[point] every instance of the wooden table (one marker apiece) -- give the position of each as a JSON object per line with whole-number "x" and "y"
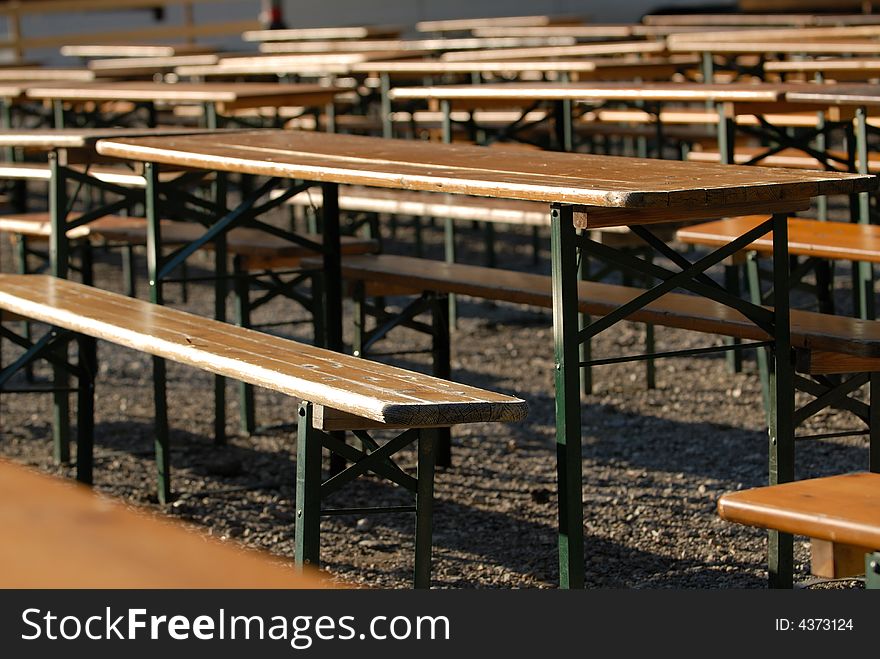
{"x": 216, "y": 98}
{"x": 135, "y": 50}
{"x": 424, "y": 47}
{"x": 470, "y": 24}
{"x": 345, "y": 33}
{"x": 840, "y": 69}
{"x": 613, "y": 48}
{"x": 591, "y": 31}
{"x": 582, "y": 192}
{"x": 59, "y": 534}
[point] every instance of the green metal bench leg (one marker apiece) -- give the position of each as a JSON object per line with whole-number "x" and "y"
{"x": 21, "y": 264}
{"x": 754, "y": 280}
{"x": 419, "y": 238}
{"x": 162, "y": 435}
{"x": 536, "y": 246}
{"x": 247, "y": 414}
{"x": 308, "y": 490}
{"x": 874, "y": 423}
{"x": 781, "y": 435}
{"x": 442, "y": 359}
{"x": 424, "y": 508}
{"x": 489, "y": 243}
{"x": 825, "y": 286}
{"x": 872, "y": 571}
{"x": 732, "y": 284}
{"x": 85, "y": 410}
{"x": 569, "y": 468}
{"x": 128, "y": 273}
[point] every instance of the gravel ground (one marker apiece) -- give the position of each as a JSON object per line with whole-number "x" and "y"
{"x": 655, "y": 461}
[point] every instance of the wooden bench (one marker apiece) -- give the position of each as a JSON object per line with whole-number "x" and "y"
{"x": 791, "y": 158}
{"x": 824, "y": 344}
{"x": 838, "y": 513}
{"x": 109, "y": 545}
{"x": 259, "y": 262}
{"x": 337, "y": 392}
{"x": 816, "y": 241}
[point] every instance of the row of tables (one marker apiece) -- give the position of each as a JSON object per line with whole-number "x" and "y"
{"x": 581, "y": 192}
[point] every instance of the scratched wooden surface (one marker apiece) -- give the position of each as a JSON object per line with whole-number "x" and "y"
{"x": 360, "y": 387}
{"x": 59, "y": 534}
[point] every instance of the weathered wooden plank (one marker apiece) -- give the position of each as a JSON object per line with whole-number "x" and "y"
{"x": 109, "y": 545}
{"x": 359, "y": 387}
{"x": 554, "y": 177}
{"x": 840, "y": 508}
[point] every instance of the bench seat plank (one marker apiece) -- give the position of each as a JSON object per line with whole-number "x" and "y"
{"x": 108, "y": 545}
{"x": 828, "y": 240}
{"x": 259, "y": 247}
{"x": 842, "y": 509}
{"x": 368, "y": 389}
{"x": 809, "y": 330}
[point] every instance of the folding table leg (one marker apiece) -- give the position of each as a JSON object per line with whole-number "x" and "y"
{"x": 247, "y": 415}
{"x": 781, "y": 435}
{"x": 569, "y": 469}
{"x": 424, "y": 508}
{"x": 59, "y": 257}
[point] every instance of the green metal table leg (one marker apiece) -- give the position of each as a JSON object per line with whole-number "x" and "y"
{"x": 754, "y": 280}
{"x": 781, "y": 462}
{"x": 864, "y": 270}
{"x": 424, "y": 508}
{"x": 220, "y": 294}
{"x": 726, "y": 144}
{"x": 563, "y": 256}
{"x": 448, "y": 224}
{"x": 160, "y": 395}
{"x": 585, "y": 349}
{"x": 59, "y": 260}
{"x": 441, "y": 360}
{"x": 247, "y": 415}
{"x": 308, "y": 490}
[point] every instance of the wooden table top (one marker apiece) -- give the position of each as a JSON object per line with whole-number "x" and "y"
{"x": 775, "y": 35}
{"x": 420, "y": 46}
{"x": 497, "y": 172}
{"x": 836, "y": 95}
{"x": 27, "y": 75}
{"x": 759, "y": 19}
{"x": 824, "y": 65}
{"x": 839, "y": 508}
{"x": 467, "y": 24}
{"x": 136, "y": 65}
{"x": 81, "y": 138}
{"x": 253, "y": 93}
{"x": 323, "y": 33}
{"x": 848, "y": 47}
{"x": 134, "y": 50}
{"x": 560, "y": 52}
{"x": 437, "y": 67}
{"x": 579, "y": 91}
{"x": 58, "y": 534}
{"x": 590, "y": 31}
